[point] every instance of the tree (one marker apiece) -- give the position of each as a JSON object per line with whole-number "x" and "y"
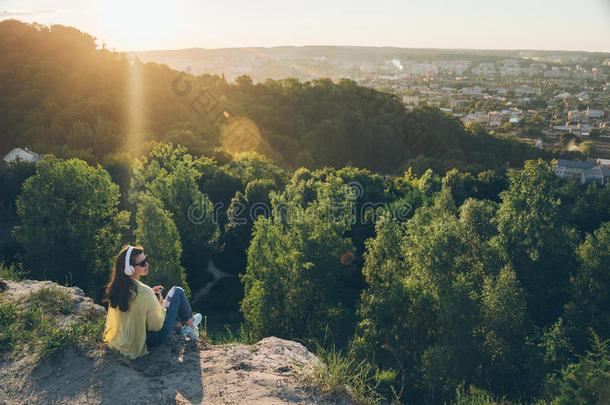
{"x": 586, "y": 381}
{"x": 171, "y": 175}
{"x": 297, "y": 283}
{"x": 159, "y": 236}
{"x": 429, "y": 183}
{"x": 587, "y": 148}
{"x": 475, "y": 128}
{"x": 71, "y": 227}
{"x": 242, "y": 213}
{"x": 534, "y": 237}
{"x": 588, "y": 290}
{"x": 503, "y": 331}
{"x": 461, "y": 185}
{"x": 594, "y": 133}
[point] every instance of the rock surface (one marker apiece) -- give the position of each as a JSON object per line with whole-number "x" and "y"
{"x": 181, "y": 371}
{"x": 18, "y": 292}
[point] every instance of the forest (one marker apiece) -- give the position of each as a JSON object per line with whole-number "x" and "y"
{"x": 443, "y": 264}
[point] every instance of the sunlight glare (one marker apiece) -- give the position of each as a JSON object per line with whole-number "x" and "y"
{"x": 137, "y": 23}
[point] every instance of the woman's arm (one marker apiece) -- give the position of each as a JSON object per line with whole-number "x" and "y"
{"x": 155, "y": 313}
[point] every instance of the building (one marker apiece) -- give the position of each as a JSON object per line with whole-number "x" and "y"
{"x": 577, "y": 116}
{"x": 584, "y": 172}
{"x": 571, "y": 169}
{"x": 494, "y": 119}
{"x": 594, "y": 114}
{"x": 21, "y": 155}
{"x": 604, "y": 162}
{"x": 479, "y": 117}
{"x": 597, "y": 174}
{"x": 563, "y": 95}
{"x": 411, "y": 100}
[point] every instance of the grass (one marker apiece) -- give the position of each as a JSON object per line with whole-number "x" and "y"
{"x": 32, "y": 326}
{"x": 342, "y": 373}
{"x": 53, "y": 300}
{"x": 226, "y": 335}
{"x": 12, "y": 272}
{"x": 84, "y": 333}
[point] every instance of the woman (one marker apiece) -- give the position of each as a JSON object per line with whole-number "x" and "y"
{"x": 138, "y": 316}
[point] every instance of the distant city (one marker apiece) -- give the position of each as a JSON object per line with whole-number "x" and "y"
{"x": 543, "y": 97}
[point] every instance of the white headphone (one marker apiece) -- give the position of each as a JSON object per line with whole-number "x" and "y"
{"x": 129, "y": 270}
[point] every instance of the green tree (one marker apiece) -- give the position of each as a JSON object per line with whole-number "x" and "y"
{"x": 429, "y": 183}
{"x": 159, "y": 236}
{"x": 461, "y": 185}
{"x": 588, "y": 291}
{"x": 534, "y": 237}
{"x": 171, "y": 175}
{"x": 587, "y": 148}
{"x": 242, "y": 213}
{"x": 71, "y": 226}
{"x": 296, "y": 284}
{"x": 475, "y": 128}
{"x": 503, "y": 331}
{"x": 594, "y": 133}
{"x": 586, "y": 381}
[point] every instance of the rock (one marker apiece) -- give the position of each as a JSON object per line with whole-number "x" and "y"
{"x": 181, "y": 371}
{"x": 17, "y": 292}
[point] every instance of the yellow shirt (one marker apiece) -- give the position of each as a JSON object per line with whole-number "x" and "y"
{"x": 126, "y": 331}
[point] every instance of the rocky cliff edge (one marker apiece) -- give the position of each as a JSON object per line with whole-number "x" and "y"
{"x": 179, "y": 372}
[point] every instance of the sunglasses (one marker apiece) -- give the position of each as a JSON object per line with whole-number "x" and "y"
{"x": 142, "y": 263}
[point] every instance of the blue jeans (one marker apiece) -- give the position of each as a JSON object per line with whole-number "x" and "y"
{"x": 176, "y": 305}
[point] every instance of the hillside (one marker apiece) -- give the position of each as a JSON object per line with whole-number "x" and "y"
{"x": 181, "y": 371}
{"x": 60, "y": 94}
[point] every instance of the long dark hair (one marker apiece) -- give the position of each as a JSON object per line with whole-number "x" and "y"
{"x": 122, "y": 288}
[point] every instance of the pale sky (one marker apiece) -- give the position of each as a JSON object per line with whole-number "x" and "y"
{"x": 473, "y": 24}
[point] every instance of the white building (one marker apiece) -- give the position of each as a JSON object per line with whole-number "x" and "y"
{"x": 603, "y": 162}
{"x": 23, "y": 155}
{"x": 411, "y": 100}
{"x": 595, "y": 114}
{"x": 494, "y": 119}
{"x": 479, "y": 117}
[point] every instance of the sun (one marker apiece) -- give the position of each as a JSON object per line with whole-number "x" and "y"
{"x": 136, "y": 24}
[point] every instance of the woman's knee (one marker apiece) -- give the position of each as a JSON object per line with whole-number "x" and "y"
{"x": 175, "y": 290}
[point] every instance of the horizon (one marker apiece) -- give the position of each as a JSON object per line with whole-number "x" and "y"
{"x": 138, "y": 26}
{"x": 362, "y": 46}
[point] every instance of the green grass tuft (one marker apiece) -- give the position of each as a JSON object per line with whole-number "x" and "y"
{"x": 344, "y": 374}
{"x": 83, "y": 333}
{"x": 53, "y": 300}
{"x": 12, "y": 272}
{"x": 34, "y": 326}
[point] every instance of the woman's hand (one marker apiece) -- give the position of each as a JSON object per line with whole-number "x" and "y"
{"x": 158, "y": 290}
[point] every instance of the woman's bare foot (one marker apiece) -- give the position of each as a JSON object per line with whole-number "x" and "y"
{"x": 190, "y": 323}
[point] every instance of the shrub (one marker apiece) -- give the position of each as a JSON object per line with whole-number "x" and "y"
{"x": 11, "y": 272}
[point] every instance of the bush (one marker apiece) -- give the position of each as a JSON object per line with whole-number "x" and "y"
{"x": 11, "y": 272}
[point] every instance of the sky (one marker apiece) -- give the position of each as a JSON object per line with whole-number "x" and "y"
{"x": 466, "y": 24}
